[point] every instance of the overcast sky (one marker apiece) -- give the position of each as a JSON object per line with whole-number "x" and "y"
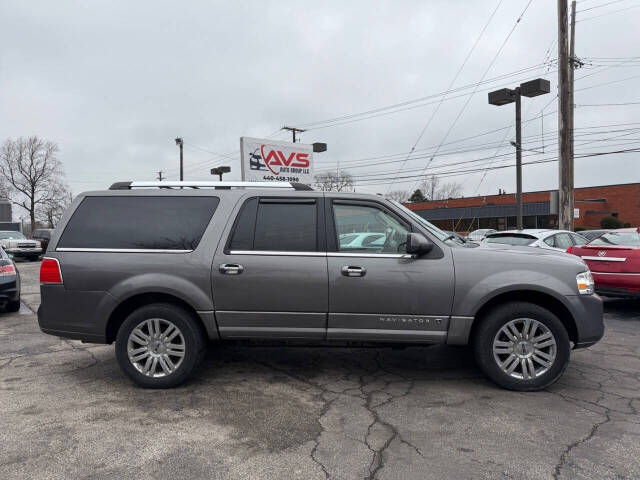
{"x": 114, "y": 82}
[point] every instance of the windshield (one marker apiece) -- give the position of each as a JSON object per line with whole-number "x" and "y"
{"x": 516, "y": 240}
{"x": 626, "y": 239}
{"x": 426, "y": 224}
{"x": 11, "y": 235}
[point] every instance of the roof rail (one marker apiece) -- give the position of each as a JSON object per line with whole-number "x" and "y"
{"x": 208, "y": 184}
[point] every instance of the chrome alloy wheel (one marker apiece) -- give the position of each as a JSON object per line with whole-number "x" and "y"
{"x": 156, "y": 347}
{"x": 524, "y": 348}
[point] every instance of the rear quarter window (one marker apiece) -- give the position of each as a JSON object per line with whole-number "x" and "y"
{"x": 128, "y": 222}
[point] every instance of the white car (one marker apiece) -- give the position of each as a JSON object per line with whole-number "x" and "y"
{"x": 359, "y": 240}
{"x": 558, "y": 240}
{"x": 478, "y": 235}
{"x": 19, "y": 246}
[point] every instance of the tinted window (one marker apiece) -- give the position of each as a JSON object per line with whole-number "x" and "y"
{"x": 391, "y": 235}
{"x": 168, "y": 223}
{"x": 286, "y": 226}
{"x": 242, "y": 238}
{"x": 516, "y": 240}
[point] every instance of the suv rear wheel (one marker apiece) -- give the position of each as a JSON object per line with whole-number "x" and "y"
{"x": 159, "y": 345}
{"x": 522, "y": 346}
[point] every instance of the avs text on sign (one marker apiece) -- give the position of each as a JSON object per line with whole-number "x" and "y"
{"x": 267, "y": 160}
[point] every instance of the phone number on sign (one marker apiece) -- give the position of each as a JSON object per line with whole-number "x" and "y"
{"x": 280, "y": 179}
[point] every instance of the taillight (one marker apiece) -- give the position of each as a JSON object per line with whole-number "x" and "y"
{"x": 6, "y": 270}
{"x": 570, "y": 249}
{"x": 50, "y": 271}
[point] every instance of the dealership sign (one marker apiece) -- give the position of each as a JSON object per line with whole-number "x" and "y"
{"x": 267, "y": 160}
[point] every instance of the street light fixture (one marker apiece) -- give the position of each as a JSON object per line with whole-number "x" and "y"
{"x": 533, "y": 88}
{"x": 220, "y": 170}
{"x": 180, "y": 143}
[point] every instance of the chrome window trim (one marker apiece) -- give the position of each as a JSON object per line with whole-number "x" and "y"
{"x": 277, "y": 253}
{"x": 369, "y": 255}
{"x": 121, "y": 250}
{"x": 604, "y": 259}
{"x": 319, "y": 254}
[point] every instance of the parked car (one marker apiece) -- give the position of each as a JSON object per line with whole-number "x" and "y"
{"x": 19, "y": 246}
{"x": 591, "y": 234}
{"x": 167, "y": 268}
{"x": 360, "y": 240}
{"x": 43, "y": 235}
{"x": 9, "y": 283}
{"x": 558, "y": 240}
{"x": 478, "y": 235}
{"x": 614, "y": 261}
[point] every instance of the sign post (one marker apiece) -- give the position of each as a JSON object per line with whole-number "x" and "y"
{"x": 264, "y": 160}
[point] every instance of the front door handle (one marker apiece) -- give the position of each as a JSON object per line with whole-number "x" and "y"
{"x": 231, "y": 269}
{"x": 351, "y": 271}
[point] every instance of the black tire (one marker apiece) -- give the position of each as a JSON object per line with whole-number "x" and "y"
{"x": 192, "y": 333}
{"x": 491, "y": 324}
{"x": 13, "y": 306}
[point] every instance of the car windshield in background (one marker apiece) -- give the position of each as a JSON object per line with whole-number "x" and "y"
{"x": 11, "y": 236}
{"x": 623, "y": 239}
{"x": 515, "y": 240}
{"x": 425, "y": 223}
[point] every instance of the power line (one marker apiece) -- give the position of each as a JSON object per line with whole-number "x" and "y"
{"x": 607, "y": 13}
{"x": 453, "y": 81}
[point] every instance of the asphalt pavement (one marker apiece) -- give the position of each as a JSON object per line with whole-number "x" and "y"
{"x": 66, "y": 412}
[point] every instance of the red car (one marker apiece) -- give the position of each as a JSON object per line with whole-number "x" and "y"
{"x": 614, "y": 261}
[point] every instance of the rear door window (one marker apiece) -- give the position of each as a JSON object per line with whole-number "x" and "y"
{"x": 135, "y": 223}
{"x": 276, "y": 224}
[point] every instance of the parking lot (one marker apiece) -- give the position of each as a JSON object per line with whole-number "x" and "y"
{"x": 265, "y": 412}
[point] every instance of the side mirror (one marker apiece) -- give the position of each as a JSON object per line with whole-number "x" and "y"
{"x": 418, "y": 244}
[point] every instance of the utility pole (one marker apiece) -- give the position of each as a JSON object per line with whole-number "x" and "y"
{"x": 160, "y": 175}
{"x": 180, "y": 143}
{"x": 565, "y": 160}
{"x": 293, "y": 130}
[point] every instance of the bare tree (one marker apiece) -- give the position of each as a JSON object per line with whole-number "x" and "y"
{"x": 398, "y": 195}
{"x": 333, "y": 181}
{"x": 52, "y": 210}
{"x": 32, "y": 172}
{"x": 433, "y": 189}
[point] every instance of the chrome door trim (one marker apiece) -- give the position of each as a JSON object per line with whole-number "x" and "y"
{"x": 420, "y": 336}
{"x": 614, "y": 273}
{"x": 121, "y": 250}
{"x": 369, "y": 255}
{"x": 604, "y": 259}
{"x": 277, "y": 253}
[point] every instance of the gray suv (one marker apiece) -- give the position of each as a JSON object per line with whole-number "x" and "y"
{"x": 161, "y": 268}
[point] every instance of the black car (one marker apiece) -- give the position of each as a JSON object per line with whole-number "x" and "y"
{"x": 43, "y": 235}
{"x": 9, "y": 283}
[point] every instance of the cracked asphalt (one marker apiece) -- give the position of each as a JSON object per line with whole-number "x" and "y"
{"x": 313, "y": 413}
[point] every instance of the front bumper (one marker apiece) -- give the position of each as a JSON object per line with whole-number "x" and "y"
{"x": 588, "y": 314}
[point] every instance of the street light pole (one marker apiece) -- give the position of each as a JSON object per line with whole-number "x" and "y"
{"x": 180, "y": 143}
{"x": 518, "y": 159}
{"x": 503, "y": 96}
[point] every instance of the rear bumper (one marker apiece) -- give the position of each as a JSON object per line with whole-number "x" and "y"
{"x": 9, "y": 290}
{"x": 617, "y": 284}
{"x": 79, "y": 315}
{"x": 588, "y": 314}
{"x": 618, "y": 292}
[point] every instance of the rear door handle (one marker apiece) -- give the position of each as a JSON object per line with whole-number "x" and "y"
{"x": 231, "y": 269}
{"x": 350, "y": 271}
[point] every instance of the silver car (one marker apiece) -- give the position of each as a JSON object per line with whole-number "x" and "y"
{"x": 478, "y": 235}
{"x": 162, "y": 268}
{"x": 558, "y": 240}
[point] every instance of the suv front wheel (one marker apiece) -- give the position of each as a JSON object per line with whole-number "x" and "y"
{"x": 159, "y": 345}
{"x": 522, "y": 346}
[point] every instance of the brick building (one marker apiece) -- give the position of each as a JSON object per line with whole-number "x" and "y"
{"x": 499, "y": 211}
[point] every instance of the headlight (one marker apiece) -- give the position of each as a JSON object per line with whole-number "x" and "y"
{"x": 585, "y": 283}
{"x": 38, "y": 245}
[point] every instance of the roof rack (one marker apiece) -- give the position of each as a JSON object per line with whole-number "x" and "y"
{"x": 208, "y": 184}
